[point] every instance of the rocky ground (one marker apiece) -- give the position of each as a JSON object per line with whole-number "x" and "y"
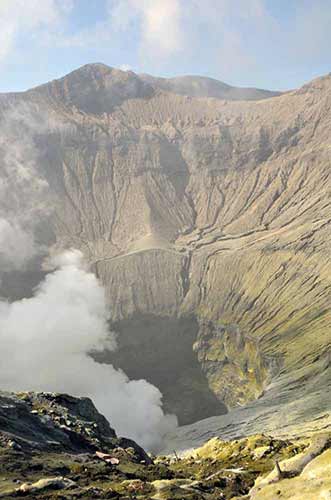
{"x": 57, "y": 446}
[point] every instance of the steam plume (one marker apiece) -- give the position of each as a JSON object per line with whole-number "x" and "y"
{"x": 23, "y": 189}
{"x": 46, "y": 343}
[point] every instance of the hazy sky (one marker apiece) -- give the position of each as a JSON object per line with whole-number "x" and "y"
{"x": 276, "y": 44}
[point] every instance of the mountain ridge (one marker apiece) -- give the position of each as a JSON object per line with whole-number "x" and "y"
{"x": 190, "y": 85}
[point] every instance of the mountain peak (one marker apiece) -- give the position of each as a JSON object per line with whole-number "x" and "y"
{"x": 99, "y": 69}
{"x": 96, "y": 88}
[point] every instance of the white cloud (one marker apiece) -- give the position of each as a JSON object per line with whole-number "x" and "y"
{"x": 28, "y": 17}
{"x": 178, "y": 28}
{"x": 161, "y": 30}
{"x": 231, "y": 28}
{"x": 159, "y": 22}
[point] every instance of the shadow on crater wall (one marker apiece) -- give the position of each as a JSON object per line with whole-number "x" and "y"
{"x": 160, "y": 350}
{"x": 16, "y": 285}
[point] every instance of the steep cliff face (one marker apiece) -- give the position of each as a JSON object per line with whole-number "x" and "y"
{"x": 204, "y": 210}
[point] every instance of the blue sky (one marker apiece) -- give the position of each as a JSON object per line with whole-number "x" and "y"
{"x": 275, "y": 44}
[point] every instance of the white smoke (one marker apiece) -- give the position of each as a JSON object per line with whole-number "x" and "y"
{"x": 23, "y": 190}
{"x": 16, "y": 245}
{"x": 46, "y": 343}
